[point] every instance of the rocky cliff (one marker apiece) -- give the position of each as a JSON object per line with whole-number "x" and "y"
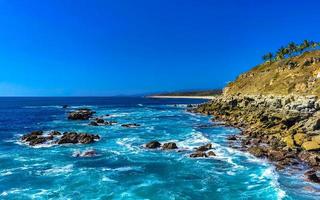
{"x": 277, "y": 107}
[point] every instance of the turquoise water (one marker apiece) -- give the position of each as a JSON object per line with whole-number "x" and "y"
{"x": 123, "y": 169}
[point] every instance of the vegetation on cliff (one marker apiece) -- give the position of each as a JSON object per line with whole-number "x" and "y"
{"x": 295, "y": 74}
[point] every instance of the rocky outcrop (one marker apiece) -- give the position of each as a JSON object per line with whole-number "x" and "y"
{"x": 55, "y": 137}
{"x": 281, "y": 128}
{"x": 81, "y": 114}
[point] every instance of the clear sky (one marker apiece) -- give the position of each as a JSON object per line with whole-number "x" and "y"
{"x": 87, "y": 47}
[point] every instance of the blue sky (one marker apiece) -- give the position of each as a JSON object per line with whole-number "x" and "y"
{"x": 82, "y": 47}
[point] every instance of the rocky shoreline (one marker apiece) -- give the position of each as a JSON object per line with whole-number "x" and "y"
{"x": 283, "y": 129}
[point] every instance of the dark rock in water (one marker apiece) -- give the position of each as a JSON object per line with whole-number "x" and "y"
{"x": 55, "y": 133}
{"x": 93, "y": 123}
{"x": 110, "y": 122}
{"x": 65, "y": 106}
{"x": 81, "y": 114}
{"x": 189, "y": 106}
{"x": 71, "y": 137}
{"x": 134, "y": 125}
{"x": 31, "y": 136}
{"x": 74, "y": 138}
{"x": 312, "y": 176}
{"x": 99, "y": 121}
{"x": 198, "y": 154}
{"x": 37, "y": 137}
{"x": 169, "y": 145}
{"x": 153, "y": 145}
{"x": 232, "y": 137}
{"x": 205, "y": 147}
{"x": 211, "y": 153}
{"x": 38, "y": 140}
{"x": 88, "y": 153}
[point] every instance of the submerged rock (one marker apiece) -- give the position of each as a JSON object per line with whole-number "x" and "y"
{"x": 134, "y": 125}
{"x": 169, "y": 145}
{"x": 88, "y": 153}
{"x": 153, "y": 145}
{"x": 81, "y": 114}
{"x": 198, "y": 154}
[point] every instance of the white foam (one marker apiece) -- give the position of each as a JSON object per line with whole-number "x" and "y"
{"x": 59, "y": 170}
{"x": 270, "y": 173}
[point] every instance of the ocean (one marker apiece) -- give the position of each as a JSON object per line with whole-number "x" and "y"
{"x": 123, "y": 168}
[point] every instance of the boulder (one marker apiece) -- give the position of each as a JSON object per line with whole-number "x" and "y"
{"x": 205, "y": 147}
{"x": 256, "y": 151}
{"x": 153, "y": 145}
{"x": 211, "y": 153}
{"x": 299, "y": 138}
{"x": 65, "y": 106}
{"x": 310, "y": 146}
{"x": 198, "y": 154}
{"x": 169, "y": 145}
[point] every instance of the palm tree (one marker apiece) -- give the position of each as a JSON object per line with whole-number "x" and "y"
{"x": 306, "y": 44}
{"x": 268, "y": 57}
{"x": 292, "y": 47}
{"x": 281, "y": 53}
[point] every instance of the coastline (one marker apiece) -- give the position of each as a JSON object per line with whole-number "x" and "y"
{"x": 283, "y": 129}
{"x": 182, "y": 97}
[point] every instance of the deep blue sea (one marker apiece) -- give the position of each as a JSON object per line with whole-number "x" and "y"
{"x": 123, "y": 169}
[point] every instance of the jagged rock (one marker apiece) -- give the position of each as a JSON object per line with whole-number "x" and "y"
{"x": 134, "y": 125}
{"x": 55, "y": 133}
{"x": 312, "y": 176}
{"x": 256, "y": 151}
{"x": 65, "y": 106}
{"x": 310, "y": 157}
{"x": 211, "y": 153}
{"x": 99, "y": 121}
{"x": 198, "y": 154}
{"x": 169, "y": 145}
{"x": 74, "y": 138}
{"x": 205, "y": 147}
{"x": 299, "y": 138}
{"x": 93, "y": 123}
{"x": 310, "y": 146}
{"x": 232, "y": 137}
{"x": 153, "y": 145}
{"x": 81, "y": 114}
{"x": 275, "y": 155}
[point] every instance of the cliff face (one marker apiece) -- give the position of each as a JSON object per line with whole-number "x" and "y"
{"x": 298, "y": 75}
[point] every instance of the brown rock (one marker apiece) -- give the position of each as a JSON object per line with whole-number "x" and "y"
{"x": 153, "y": 145}
{"x": 169, "y": 145}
